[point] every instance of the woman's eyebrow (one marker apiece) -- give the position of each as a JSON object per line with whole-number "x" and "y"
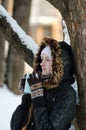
{"x": 45, "y": 57}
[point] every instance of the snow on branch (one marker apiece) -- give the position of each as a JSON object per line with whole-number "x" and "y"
{"x": 23, "y": 43}
{"x": 65, "y": 33}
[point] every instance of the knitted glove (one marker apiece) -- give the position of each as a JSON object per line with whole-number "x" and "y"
{"x": 24, "y": 86}
{"x": 36, "y": 89}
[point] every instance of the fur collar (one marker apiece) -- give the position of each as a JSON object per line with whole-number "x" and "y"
{"x": 57, "y": 74}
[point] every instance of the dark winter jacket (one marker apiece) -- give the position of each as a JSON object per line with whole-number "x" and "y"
{"x": 56, "y": 114}
{"x": 56, "y": 109}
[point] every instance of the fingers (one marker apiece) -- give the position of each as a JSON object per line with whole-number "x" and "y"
{"x": 35, "y": 75}
{"x": 34, "y": 78}
{"x": 30, "y": 79}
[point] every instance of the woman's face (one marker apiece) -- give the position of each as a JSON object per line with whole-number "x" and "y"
{"x": 46, "y": 65}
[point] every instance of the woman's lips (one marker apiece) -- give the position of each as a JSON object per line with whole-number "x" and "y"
{"x": 43, "y": 69}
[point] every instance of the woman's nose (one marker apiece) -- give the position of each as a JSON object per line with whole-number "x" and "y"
{"x": 42, "y": 63}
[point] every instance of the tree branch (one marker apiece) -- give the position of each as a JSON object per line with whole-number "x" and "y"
{"x": 61, "y": 5}
{"x": 13, "y": 33}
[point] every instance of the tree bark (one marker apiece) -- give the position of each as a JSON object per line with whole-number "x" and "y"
{"x": 2, "y": 60}
{"x": 74, "y": 13}
{"x": 5, "y": 3}
{"x": 77, "y": 10}
{"x": 2, "y": 51}
{"x": 21, "y": 13}
{"x": 12, "y": 36}
{"x": 62, "y": 6}
{"x": 75, "y": 16}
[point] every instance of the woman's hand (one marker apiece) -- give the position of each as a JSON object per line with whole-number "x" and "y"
{"x": 35, "y": 83}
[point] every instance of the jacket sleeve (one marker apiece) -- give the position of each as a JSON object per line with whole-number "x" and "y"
{"x": 61, "y": 115}
{"x": 20, "y": 114}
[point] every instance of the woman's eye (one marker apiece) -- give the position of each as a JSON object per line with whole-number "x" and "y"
{"x": 47, "y": 59}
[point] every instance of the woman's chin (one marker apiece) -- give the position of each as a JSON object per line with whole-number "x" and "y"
{"x": 44, "y": 73}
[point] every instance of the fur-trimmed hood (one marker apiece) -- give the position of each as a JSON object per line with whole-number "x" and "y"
{"x": 57, "y": 74}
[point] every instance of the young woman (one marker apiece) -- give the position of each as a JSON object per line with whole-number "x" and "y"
{"x": 52, "y": 102}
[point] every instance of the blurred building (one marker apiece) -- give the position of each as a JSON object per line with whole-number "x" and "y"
{"x": 43, "y": 20}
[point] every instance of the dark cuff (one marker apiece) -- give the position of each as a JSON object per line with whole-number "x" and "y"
{"x": 38, "y": 102}
{"x": 26, "y": 100}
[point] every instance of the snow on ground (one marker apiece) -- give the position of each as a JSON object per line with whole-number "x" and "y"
{"x": 8, "y": 103}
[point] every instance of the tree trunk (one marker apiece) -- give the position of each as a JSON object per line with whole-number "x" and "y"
{"x": 15, "y": 67}
{"x": 2, "y": 60}
{"x": 74, "y": 13}
{"x": 15, "y": 61}
{"x": 21, "y": 13}
{"x": 77, "y": 11}
{"x": 2, "y": 51}
{"x": 5, "y": 3}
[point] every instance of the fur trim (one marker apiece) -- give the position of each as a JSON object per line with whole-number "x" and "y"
{"x": 57, "y": 74}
